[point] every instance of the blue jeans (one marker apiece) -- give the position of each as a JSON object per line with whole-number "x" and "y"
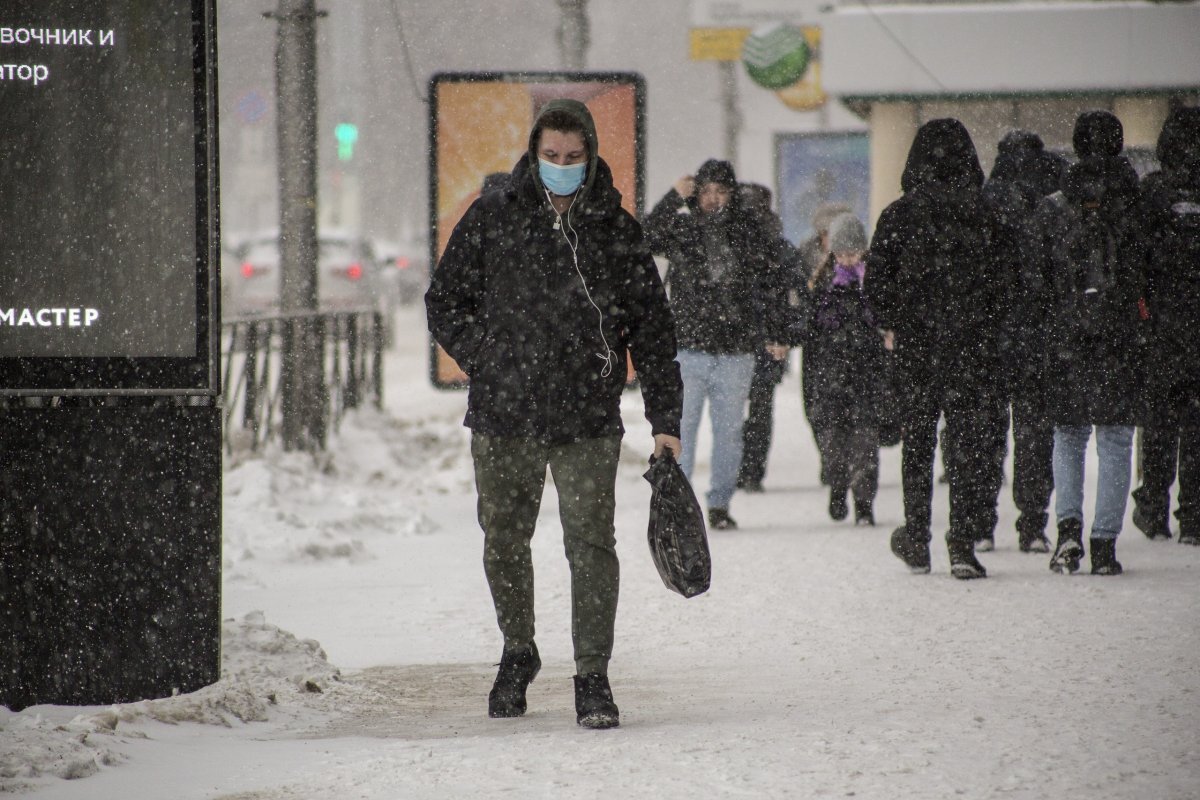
{"x": 723, "y": 379}
{"x": 1114, "y": 444}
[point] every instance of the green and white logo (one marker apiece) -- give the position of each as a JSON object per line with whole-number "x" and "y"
{"x": 776, "y": 56}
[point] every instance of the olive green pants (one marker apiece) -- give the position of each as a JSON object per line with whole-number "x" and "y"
{"x": 510, "y": 475}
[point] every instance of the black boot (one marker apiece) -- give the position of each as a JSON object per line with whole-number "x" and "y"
{"x": 1031, "y": 534}
{"x": 912, "y": 550}
{"x": 864, "y": 513}
{"x": 837, "y": 503}
{"x": 719, "y": 519}
{"x": 1069, "y": 550}
{"x": 594, "y": 706}
{"x": 1104, "y": 557}
{"x": 1155, "y": 523}
{"x": 963, "y": 564}
{"x": 517, "y": 670}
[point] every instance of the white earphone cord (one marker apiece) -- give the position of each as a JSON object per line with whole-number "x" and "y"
{"x": 608, "y": 356}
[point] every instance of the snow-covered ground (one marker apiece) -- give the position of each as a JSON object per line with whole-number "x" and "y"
{"x": 816, "y": 666}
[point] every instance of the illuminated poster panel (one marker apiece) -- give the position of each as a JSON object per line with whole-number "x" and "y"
{"x": 463, "y": 151}
{"x": 107, "y": 194}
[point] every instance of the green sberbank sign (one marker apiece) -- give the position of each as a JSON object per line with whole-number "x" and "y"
{"x": 776, "y": 56}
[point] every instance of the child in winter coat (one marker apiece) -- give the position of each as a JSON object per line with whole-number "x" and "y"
{"x": 845, "y": 350}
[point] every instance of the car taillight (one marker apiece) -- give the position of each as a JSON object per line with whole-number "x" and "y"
{"x": 402, "y": 262}
{"x": 247, "y": 270}
{"x": 354, "y": 272}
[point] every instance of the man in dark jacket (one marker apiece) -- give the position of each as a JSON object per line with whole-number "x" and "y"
{"x": 728, "y": 305}
{"x": 1171, "y": 212}
{"x": 543, "y": 287}
{"x": 1024, "y": 173}
{"x": 937, "y": 283}
{"x": 1087, "y": 254}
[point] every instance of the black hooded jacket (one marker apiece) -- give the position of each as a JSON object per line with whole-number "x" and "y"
{"x": 1171, "y": 215}
{"x": 1092, "y": 357}
{"x": 1024, "y": 173}
{"x": 737, "y": 310}
{"x": 507, "y": 303}
{"x": 936, "y": 270}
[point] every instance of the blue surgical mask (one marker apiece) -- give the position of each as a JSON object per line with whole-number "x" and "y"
{"x": 562, "y": 181}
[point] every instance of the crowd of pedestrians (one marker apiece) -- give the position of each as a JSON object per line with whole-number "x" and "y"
{"x": 1063, "y": 296}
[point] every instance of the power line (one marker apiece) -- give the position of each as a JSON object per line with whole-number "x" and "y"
{"x": 911, "y": 56}
{"x": 408, "y": 65}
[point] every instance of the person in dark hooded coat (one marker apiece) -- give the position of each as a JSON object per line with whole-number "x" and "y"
{"x": 1086, "y": 254}
{"x": 1024, "y": 173}
{"x": 1171, "y": 430}
{"x": 937, "y": 282}
{"x": 544, "y": 285}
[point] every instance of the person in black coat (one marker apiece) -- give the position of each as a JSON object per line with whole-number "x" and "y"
{"x": 1086, "y": 255}
{"x": 1023, "y": 174}
{"x": 728, "y": 303}
{"x": 937, "y": 281}
{"x": 1171, "y": 212}
{"x": 844, "y": 347}
{"x": 543, "y": 287}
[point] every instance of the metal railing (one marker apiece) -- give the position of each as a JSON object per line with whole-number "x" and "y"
{"x": 252, "y": 358}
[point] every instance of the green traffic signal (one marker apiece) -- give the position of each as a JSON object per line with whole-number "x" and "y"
{"x": 346, "y": 134}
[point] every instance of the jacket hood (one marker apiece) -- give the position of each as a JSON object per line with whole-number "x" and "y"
{"x": 1022, "y": 158}
{"x": 1098, "y": 134}
{"x": 1179, "y": 143}
{"x": 714, "y": 171}
{"x": 942, "y": 152}
{"x": 580, "y": 112}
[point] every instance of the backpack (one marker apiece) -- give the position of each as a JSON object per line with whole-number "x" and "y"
{"x": 1091, "y": 252}
{"x": 1183, "y": 229}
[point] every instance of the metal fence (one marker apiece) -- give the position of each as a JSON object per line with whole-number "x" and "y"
{"x": 252, "y": 365}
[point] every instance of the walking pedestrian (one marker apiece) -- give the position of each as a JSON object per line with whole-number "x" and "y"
{"x": 727, "y": 307}
{"x": 543, "y": 286}
{"x": 1171, "y": 433}
{"x": 768, "y": 368}
{"x": 937, "y": 282}
{"x": 1025, "y": 173}
{"x": 844, "y": 346}
{"x": 1087, "y": 253}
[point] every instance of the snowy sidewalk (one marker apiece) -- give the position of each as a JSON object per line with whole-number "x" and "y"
{"x": 816, "y": 666}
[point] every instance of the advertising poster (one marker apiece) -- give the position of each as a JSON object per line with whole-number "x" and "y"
{"x": 815, "y": 169}
{"x": 105, "y": 190}
{"x": 463, "y": 153}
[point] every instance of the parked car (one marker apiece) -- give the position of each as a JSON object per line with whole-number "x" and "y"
{"x": 347, "y": 275}
{"x": 404, "y": 269}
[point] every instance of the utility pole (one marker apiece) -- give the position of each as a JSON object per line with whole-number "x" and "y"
{"x": 731, "y": 113}
{"x": 302, "y": 381}
{"x": 573, "y": 35}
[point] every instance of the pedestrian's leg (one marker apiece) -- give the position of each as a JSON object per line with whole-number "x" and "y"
{"x": 1188, "y": 513}
{"x": 1152, "y": 500}
{"x": 585, "y": 475}
{"x": 509, "y": 477}
{"x": 1070, "y": 448}
{"x": 976, "y": 433}
{"x": 1114, "y": 445}
{"x": 835, "y": 444}
{"x": 1033, "y": 473}
{"x": 695, "y": 368}
{"x": 808, "y": 380}
{"x": 729, "y": 390}
{"x": 756, "y": 433}
{"x": 916, "y": 460}
{"x": 864, "y": 472}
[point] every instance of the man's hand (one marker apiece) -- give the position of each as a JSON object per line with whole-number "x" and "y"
{"x": 889, "y": 340}
{"x": 686, "y": 186}
{"x": 777, "y": 352}
{"x": 664, "y": 442}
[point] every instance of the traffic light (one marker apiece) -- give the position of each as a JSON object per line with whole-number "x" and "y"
{"x": 346, "y": 134}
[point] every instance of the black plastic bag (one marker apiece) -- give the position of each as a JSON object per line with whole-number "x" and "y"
{"x": 678, "y": 540}
{"x": 890, "y": 411}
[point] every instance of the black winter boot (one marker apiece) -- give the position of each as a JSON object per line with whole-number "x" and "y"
{"x": 1069, "y": 550}
{"x": 1154, "y": 523}
{"x": 594, "y": 706}
{"x": 837, "y": 503}
{"x": 1104, "y": 557}
{"x": 1031, "y": 534}
{"x": 518, "y": 668}
{"x": 912, "y": 550}
{"x": 719, "y": 519}
{"x": 864, "y": 513}
{"x": 963, "y": 564}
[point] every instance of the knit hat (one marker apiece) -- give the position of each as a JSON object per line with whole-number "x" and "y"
{"x": 826, "y": 214}
{"x": 1098, "y": 133}
{"x": 714, "y": 171}
{"x": 847, "y": 235}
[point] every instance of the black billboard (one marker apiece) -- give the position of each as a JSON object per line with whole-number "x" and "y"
{"x": 108, "y": 211}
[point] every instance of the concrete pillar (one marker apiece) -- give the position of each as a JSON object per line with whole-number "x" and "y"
{"x": 893, "y": 126}
{"x": 1142, "y": 118}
